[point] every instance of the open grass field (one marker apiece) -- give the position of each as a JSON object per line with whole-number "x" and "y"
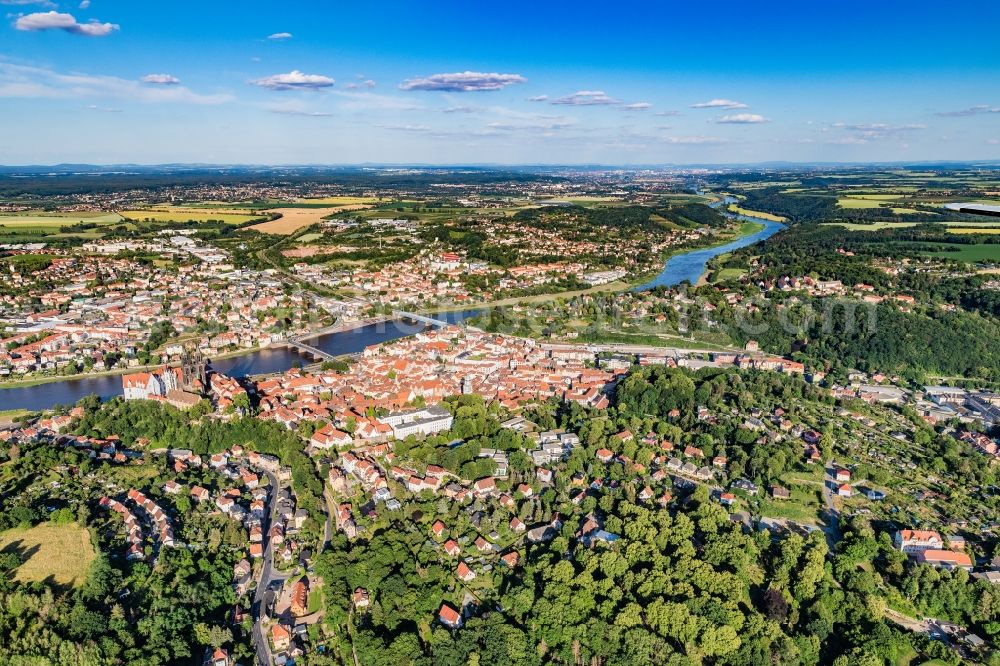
{"x": 729, "y": 274}
{"x": 338, "y": 201}
{"x": 41, "y": 219}
{"x": 435, "y": 215}
{"x": 976, "y": 230}
{"x": 683, "y": 198}
{"x": 733, "y": 208}
{"x": 181, "y": 214}
{"x": 776, "y": 183}
{"x": 858, "y": 202}
{"x": 971, "y": 253}
{"x": 63, "y": 552}
{"x": 875, "y": 197}
{"x": 11, "y": 415}
{"x": 293, "y": 219}
{"x": 874, "y": 226}
{"x": 578, "y": 200}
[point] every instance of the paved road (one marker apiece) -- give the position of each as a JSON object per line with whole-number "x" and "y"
{"x": 632, "y": 349}
{"x": 330, "y": 509}
{"x": 268, "y": 576}
{"x": 832, "y": 528}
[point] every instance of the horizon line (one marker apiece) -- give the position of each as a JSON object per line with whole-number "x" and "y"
{"x": 441, "y": 165}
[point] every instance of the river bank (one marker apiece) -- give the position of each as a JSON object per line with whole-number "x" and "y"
{"x": 748, "y": 227}
{"x": 350, "y": 339}
{"x": 680, "y": 266}
{"x": 691, "y": 266}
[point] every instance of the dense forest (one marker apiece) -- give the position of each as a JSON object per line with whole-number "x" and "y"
{"x": 828, "y": 332}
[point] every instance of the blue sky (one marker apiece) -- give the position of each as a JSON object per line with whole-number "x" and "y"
{"x": 445, "y": 82}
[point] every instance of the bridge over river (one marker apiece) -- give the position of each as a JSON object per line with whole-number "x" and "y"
{"x": 423, "y": 319}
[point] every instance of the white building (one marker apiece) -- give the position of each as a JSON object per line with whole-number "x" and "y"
{"x": 421, "y": 422}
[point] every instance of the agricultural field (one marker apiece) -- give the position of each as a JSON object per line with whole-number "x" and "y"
{"x": 293, "y": 219}
{"x": 62, "y": 553}
{"x": 684, "y": 198}
{"x": 733, "y": 208}
{"x": 874, "y": 226}
{"x": 182, "y": 214}
{"x": 868, "y": 201}
{"x": 971, "y": 253}
{"x": 579, "y": 200}
{"x": 975, "y": 230}
{"x": 864, "y": 194}
{"x": 775, "y": 183}
{"x": 42, "y": 220}
{"x": 953, "y": 227}
{"x": 416, "y": 209}
{"x": 338, "y": 201}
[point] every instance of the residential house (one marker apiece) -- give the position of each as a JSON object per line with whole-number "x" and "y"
{"x": 450, "y": 617}
{"x": 945, "y": 559}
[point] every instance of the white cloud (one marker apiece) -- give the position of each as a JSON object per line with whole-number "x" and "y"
{"x": 543, "y": 124}
{"x": 278, "y": 36}
{"x": 592, "y": 98}
{"x": 461, "y": 109}
{"x": 66, "y": 22}
{"x": 368, "y": 101}
{"x": 161, "y": 79}
{"x": 37, "y": 82}
{"x": 405, "y": 128}
{"x": 849, "y": 141}
{"x": 105, "y": 109}
{"x": 463, "y": 82}
{"x": 587, "y": 98}
{"x": 294, "y": 80}
{"x": 298, "y": 112}
{"x": 695, "y": 140}
{"x": 369, "y": 83}
{"x": 85, "y": 4}
{"x": 294, "y": 107}
{"x": 21, "y": 3}
{"x": 720, "y": 104}
{"x": 742, "y": 119}
{"x": 993, "y": 142}
{"x": 668, "y": 114}
{"x": 880, "y": 127}
{"x": 865, "y": 132}
{"x": 971, "y": 111}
